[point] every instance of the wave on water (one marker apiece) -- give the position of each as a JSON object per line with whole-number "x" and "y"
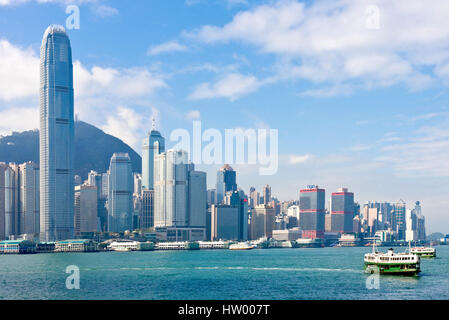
{"x": 279, "y": 269}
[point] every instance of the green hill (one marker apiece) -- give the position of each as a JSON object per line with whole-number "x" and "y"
{"x": 93, "y": 149}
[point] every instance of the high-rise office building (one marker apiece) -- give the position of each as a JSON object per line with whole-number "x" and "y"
{"x": 415, "y": 224}
{"x": 86, "y": 218}
{"x": 266, "y": 193}
{"x": 137, "y": 184}
{"x": 120, "y": 200}
{"x": 342, "y": 211}
{"x": 12, "y": 200}
{"x": 153, "y": 144}
{"x": 146, "y": 219}
{"x": 100, "y": 181}
{"x": 312, "y": 211}
{"x": 3, "y": 168}
{"x": 224, "y": 222}
{"x": 179, "y": 193}
{"x": 211, "y": 197}
{"x": 254, "y": 198}
{"x": 399, "y": 212}
{"x": 197, "y": 199}
{"x": 56, "y": 136}
{"x": 262, "y": 222}
{"x": 239, "y": 200}
{"x": 226, "y": 181}
{"x": 29, "y": 198}
{"x": 421, "y": 221}
{"x": 171, "y": 173}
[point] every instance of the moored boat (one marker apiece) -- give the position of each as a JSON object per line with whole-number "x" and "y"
{"x": 241, "y": 246}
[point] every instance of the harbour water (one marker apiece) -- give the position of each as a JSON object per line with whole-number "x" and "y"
{"x": 322, "y": 273}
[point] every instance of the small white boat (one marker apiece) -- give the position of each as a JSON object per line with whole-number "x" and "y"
{"x": 241, "y": 246}
{"x": 121, "y": 249}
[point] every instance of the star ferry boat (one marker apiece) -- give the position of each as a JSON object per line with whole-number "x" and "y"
{"x": 392, "y": 263}
{"x": 425, "y": 252}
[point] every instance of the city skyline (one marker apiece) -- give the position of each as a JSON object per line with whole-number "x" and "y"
{"x": 383, "y": 143}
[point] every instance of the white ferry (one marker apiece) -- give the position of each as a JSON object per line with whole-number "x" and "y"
{"x": 241, "y": 246}
{"x": 392, "y": 263}
{"x": 425, "y": 252}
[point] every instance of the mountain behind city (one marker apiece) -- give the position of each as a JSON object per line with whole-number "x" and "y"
{"x": 93, "y": 149}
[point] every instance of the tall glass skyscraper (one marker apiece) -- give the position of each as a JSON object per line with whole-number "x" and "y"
{"x": 153, "y": 144}
{"x": 226, "y": 181}
{"x": 56, "y": 136}
{"x": 120, "y": 198}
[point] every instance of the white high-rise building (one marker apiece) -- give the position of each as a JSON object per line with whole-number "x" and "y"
{"x": 29, "y": 198}
{"x": 3, "y": 168}
{"x": 12, "y": 200}
{"x": 171, "y": 172}
{"x": 56, "y": 136}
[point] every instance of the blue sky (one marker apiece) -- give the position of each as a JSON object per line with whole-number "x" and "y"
{"x": 355, "y": 105}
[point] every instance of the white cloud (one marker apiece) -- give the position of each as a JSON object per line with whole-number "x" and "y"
{"x": 298, "y": 159}
{"x": 106, "y": 11}
{"x": 19, "y": 72}
{"x": 231, "y": 86}
{"x": 18, "y": 119}
{"x": 171, "y": 46}
{"x": 329, "y": 41}
{"x": 193, "y": 115}
{"x": 424, "y": 154}
{"x": 126, "y": 124}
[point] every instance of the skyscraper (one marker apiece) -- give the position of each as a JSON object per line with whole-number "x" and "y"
{"x": 101, "y": 182}
{"x": 56, "y": 136}
{"x": 3, "y": 168}
{"x": 29, "y": 198}
{"x": 266, "y": 195}
{"x": 153, "y": 144}
{"x": 171, "y": 171}
{"x": 86, "y": 218}
{"x": 197, "y": 199}
{"x": 226, "y": 181}
{"x": 342, "y": 212}
{"x": 312, "y": 210}
{"x": 399, "y": 219}
{"x": 12, "y": 200}
{"x": 146, "y": 219}
{"x": 120, "y": 200}
{"x": 262, "y": 222}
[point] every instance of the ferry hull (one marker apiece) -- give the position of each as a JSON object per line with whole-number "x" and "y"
{"x": 392, "y": 270}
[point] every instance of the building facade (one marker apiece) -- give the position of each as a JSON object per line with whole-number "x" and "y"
{"x": 120, "y": 200}
{"x": 56, "y": 136}
{"x": 342, "y": 212}
{"x": 312, "y": 211}
{"x": 226, "y": 181}
{"x": 86, "y": 218}
{"x": 153, "y": 144}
